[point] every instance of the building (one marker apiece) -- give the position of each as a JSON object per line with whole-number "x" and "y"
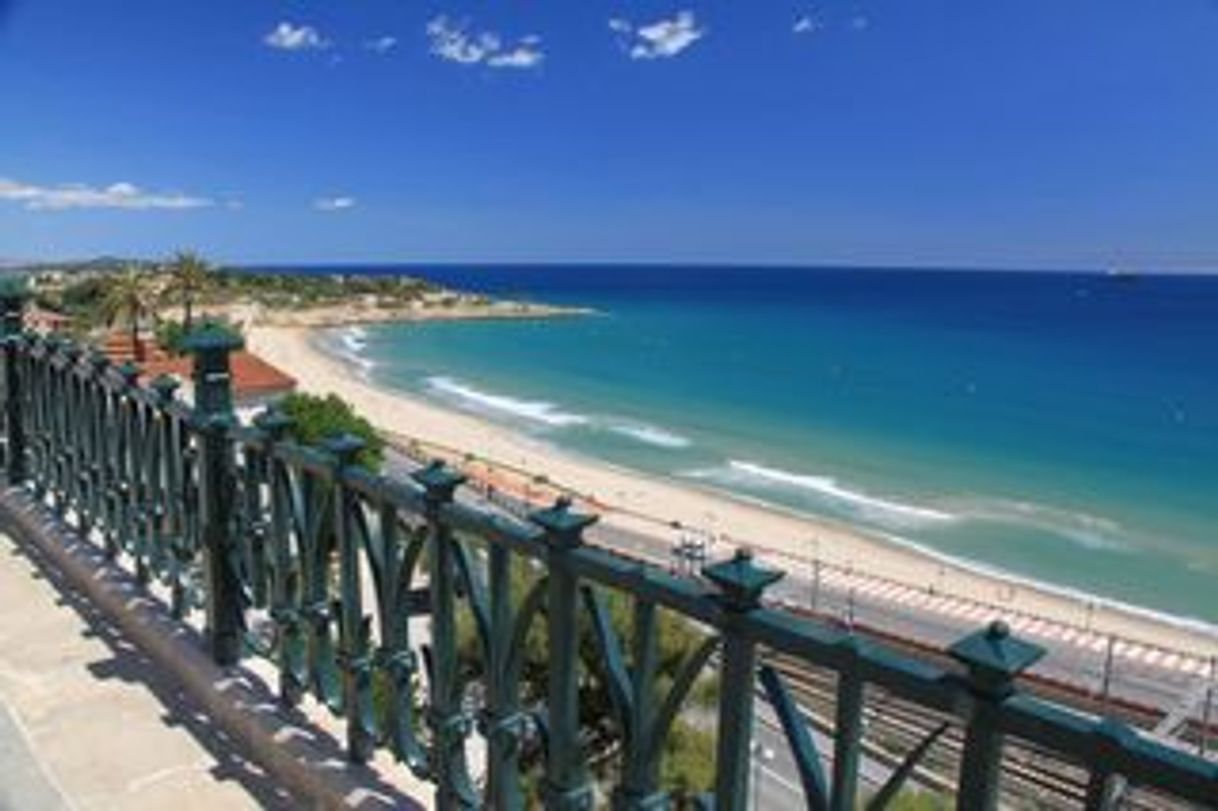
{"x": 256, "y": 383}
{"x": 45, "y": 322}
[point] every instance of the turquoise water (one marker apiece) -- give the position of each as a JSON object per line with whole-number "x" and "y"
{"x": 1061, "y": 427}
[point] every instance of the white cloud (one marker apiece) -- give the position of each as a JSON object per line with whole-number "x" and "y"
{"x": 860, "y": 22}
{"x": 454, "y": 42}
{"x": 121, "y": 195}
{"x": 334, "y": 203}
{"x": 288, "y": 37}
{"x": 806, "y": 25}
{"x": 522, "y": 56}
{"x": 381, "y": 45}
{"x": 662, "y": 39}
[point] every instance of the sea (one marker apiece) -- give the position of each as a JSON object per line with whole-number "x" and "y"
{"x": 1057, "y": 427}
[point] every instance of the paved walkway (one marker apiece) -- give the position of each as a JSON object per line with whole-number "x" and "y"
{"x": 87, "y": 722}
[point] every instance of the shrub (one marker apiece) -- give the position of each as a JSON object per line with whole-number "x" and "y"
{"x": 316, "y": 419}
{"x": 170, "y": 335}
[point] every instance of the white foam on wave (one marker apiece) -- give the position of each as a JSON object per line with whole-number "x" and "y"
{"x": 350, "y": 344}
{"x": 650, "y": 435}
{"x": 881, "y": 510}
{"x": 538, "y": 411}
{"x": 1078, "y": 595}
{"x": 1088, "y": 531}
{"x": 355, "y": 338}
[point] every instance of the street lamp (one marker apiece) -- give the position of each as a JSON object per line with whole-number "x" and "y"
{"x": 815, "y": 583}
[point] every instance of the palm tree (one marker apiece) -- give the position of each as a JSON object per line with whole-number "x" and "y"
{"x": 189, "y": 274}
{"x": 125, "y": 299}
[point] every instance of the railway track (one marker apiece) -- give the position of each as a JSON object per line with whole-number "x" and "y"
{"x": 1032, "y": 777}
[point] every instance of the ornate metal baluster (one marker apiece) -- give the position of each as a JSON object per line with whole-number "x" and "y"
{"x": 100, "y": 444}
{"x": 741, "y": 584}
{"x": 504, "y": 721}
{"x": 355, "y": 656}
{"x": 566, "y": 782}
{"x": 164, "y": 474}
{"x": 394, "y": 573}
{"x": 292, "y": 646}
{"x": 211, "y": 347}
{"x": 13, "y": 295}
{"x": 317, "y": 550}
{"x": 76, "y": 425}
{"x": 449, "y": 724}
{"x": 994, "y": 659}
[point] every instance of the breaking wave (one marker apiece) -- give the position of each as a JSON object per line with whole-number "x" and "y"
{"x": 883, "y": 511}
{"x": 538, "y": 411}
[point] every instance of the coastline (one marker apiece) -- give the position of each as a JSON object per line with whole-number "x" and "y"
{"x": 358, "y": 312}
{"x": 646, "y": 504}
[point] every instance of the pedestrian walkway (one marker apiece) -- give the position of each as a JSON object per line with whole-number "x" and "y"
{"x": 946, "y": 605}
{"x": 87, "y": 722}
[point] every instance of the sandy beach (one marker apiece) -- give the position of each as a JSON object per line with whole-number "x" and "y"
{"x": 646, "y": 504}
{"x": 446, "y": 307}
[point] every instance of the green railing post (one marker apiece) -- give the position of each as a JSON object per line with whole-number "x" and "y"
{"x": 167, "y": 515}
{"x": 566, "y": 784}
{"x": 131, "y": 497}
{"x": 355, "y": 656}
{"x": 504, "y": 720}
{"x": 74, "y": 402}
{"x": 449, "y": 723}
{"x": 993, "y": 658}
{"x": 211, "y": 347}
{"x": 741, "y": 584}
{"x": 285, "y": 588}
{"x": 641, "y": 766}
{"x": 13, "y": 294}
{"x": 847, "y": 729}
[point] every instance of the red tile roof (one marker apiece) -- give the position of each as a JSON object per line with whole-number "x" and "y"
{"x": 119, "y": 348}
{"x": 252, "y": 376}
{"x": 42, "y": 320}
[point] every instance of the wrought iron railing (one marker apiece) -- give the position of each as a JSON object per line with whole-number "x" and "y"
{"x": 241, "y": 521}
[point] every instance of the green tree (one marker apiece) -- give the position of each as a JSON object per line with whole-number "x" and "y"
{"x": 315, "y": 419}
{"x": 189, "y": 275}
{"x": 170, "y": 336}
{"x": 124, "y": 299}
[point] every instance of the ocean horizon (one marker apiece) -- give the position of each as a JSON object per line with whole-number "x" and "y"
{"x": 1060, "y": 427}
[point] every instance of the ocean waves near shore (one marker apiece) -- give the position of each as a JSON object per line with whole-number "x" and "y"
{"x": 819, "y": 494}
{"x": 1010, "y": 422}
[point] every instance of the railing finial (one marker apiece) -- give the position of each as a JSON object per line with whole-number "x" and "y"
{"x": 740, "y": 581}
{"x": 994, "y": 659}
{"x": 439, "y": 481}
{"x": 13, "y": 294}
{"x": 563, "y": 525}
{"x": 345, "y": 448}
{"x": 211, "y": 346}
{"x": 165, "y": 386}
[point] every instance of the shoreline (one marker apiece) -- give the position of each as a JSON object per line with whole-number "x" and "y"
{"x": 634, "y": 501}
{"x": 350, "y": 314}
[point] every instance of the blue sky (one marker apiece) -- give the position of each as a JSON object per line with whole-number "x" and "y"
{"x": 1013, "y": 133}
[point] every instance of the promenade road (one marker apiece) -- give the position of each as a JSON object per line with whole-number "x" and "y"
{"x": 86, "y": 722}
